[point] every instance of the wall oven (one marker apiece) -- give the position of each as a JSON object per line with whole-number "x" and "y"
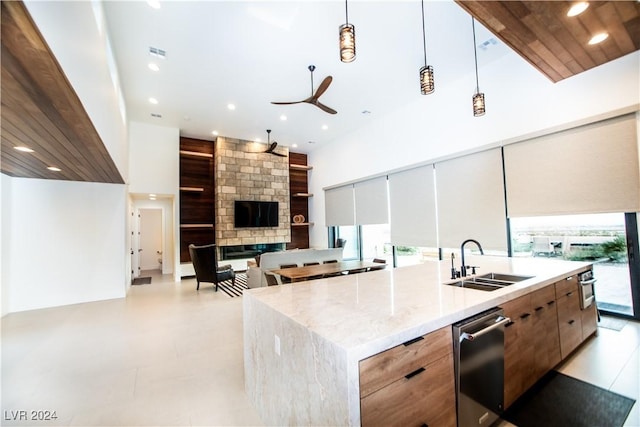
{"x": 586, "y": 282}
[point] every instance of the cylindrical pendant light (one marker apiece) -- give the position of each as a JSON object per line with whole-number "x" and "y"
{"x": 427, "y": 84}
{"x": 347, "y": 38}
{"x": 479, "y": 107}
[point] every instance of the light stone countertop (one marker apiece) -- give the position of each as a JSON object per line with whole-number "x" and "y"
{"x": 367, "y": 313}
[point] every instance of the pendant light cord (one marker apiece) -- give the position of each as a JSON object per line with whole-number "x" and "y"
{"x": 424, "y": 36}
{"x": 475, "y": 53}
{"x": 346, "y": 11}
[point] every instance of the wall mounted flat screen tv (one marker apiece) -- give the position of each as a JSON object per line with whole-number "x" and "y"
{"x": 255, "y": 214}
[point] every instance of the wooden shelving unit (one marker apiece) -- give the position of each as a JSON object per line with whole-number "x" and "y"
{"x": 197, "y": 194}
{"x": 299, "y": 199}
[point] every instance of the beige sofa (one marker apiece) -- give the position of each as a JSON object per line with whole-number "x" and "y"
{"x": 273, "y": 260}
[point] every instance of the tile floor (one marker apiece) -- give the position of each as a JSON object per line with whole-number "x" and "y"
{"x": 168, "y": 355}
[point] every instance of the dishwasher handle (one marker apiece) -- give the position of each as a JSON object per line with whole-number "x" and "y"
{"x": 500, "y": 321}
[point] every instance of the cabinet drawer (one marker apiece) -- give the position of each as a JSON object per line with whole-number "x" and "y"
{"x": 543, "y": 297}
{"x": 384, "y": 368}
{"x": 568, "y": 285}
{"x": 569, "y": 323}
{"x": 426, "y": 398}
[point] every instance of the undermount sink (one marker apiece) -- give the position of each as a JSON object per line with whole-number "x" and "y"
{"x": 489, "y": 281}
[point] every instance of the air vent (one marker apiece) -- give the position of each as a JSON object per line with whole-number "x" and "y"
{"x": 156, "y": 115}
{"x": 487, "y": 43}
{"x": 158, "y": 53}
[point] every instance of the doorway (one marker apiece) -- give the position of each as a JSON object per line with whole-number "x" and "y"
{"x": 150, "y": 240}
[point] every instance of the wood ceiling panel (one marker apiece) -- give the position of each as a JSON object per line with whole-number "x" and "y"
{"x": 555, "y": 44}
{"x": 41, "y": 110}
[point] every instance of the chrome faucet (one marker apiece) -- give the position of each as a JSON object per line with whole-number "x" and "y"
{"x": 463, "y": 267}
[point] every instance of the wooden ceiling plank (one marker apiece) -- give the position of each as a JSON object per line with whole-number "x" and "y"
{"x": 627, "y": 10}
{"x": 551, "y": 59}
{"x": 608, "y": 14}
{"x": 633, "y": 28}
{"x": 55, "y": 94}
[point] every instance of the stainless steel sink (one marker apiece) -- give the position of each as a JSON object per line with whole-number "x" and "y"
{"x": 489, "y": 281}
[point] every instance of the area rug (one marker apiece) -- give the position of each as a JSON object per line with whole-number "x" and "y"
{"x": 558, "y": 400}
{"x": 237, "y": 289}
{"x": 612, "y": 323}
{"x": 142, "y": 281}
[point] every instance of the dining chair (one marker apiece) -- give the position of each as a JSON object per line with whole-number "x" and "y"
{"x": 319, "y": 276}
{"x": 272, "y": 279}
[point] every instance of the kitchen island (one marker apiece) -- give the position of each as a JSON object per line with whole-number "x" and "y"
{"x": 303, "y": 342}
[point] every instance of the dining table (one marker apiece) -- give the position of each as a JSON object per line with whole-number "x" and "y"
{"x": 298, "y": 274}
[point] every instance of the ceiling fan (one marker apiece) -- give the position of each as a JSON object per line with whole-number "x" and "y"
{"x": 313, "y": 99}
{"x": 272, "y": 146}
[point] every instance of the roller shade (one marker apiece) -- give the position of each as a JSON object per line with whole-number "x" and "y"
{"x": 412, "y": 208}
{"x": 339, "y": 206}
{"x": 589, "y": 169}
{"x": 372, "y": 201}
{"x": 471, "y": 200}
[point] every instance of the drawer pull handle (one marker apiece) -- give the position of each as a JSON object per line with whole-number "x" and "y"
{"x": 524, "y": 316}
{"x": 569, "y": 278}
{"x": 424, "y": 425}
{"x": 569, "y": 294}
{"x": 414, "y": 373}
{"x": 571, "y": 322}
{"x": 539, "y": 308}
{"x": 551, "y": 302}
{"x": 413, "y": 341}
{"x": 509, "y": 323}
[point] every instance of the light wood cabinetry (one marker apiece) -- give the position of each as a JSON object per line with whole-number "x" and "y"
{"x": 532, "y": 345}
{"x": 410, "y": 384}
{"x": 589, "y": 320}
{"x": 569, "y": 315}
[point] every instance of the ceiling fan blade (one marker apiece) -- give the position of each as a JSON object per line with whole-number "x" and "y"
{"x": 271, "y": 147}
{"x": 288, "y": 103}
{"x": 278, "y": 154}
{"x": 325, "y": 108}
{"x": 323, "y": 87}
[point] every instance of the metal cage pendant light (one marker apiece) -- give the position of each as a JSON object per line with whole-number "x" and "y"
{"x": 427, "y": 84}
{"x": 347, "y": 38}
{"x": 479, "y": 107}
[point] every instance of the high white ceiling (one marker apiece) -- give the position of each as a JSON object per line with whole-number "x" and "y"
{"x": 252, "y": 53}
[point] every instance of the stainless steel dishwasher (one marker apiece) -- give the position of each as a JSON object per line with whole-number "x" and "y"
{"x": 479, "y": 367}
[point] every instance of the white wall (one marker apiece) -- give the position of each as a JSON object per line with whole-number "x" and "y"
{"x": 66, "y": 243}
{"x": 520, "y": 101}
{"x": 76, "y": 33}
{"x": 5, "y": 238}
{"x": 154, "y": 160}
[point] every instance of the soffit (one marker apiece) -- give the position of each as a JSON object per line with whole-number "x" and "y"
{"x": 41, "y": 110}
{"x": 557, "y": 45}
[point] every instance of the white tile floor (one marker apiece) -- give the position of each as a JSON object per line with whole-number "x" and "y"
{"x": 168, "y": 355}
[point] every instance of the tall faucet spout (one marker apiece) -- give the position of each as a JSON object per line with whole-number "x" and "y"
{"x": 463, "y": 268}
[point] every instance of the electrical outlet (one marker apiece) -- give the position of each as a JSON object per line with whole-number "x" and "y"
{"x": 277, "y": 344}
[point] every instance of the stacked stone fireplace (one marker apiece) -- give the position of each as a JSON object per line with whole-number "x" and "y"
{"x": 245, "y": 172}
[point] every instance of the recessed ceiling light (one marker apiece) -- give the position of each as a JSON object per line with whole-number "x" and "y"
{"x": 152, "y": 195}
{"x": 283, "y": 117}
{"x": 258, "y": 140}
{"x": 325, "y": 127}
{"x": 154, "y": 4}
{"x": 152, "y": 198}
{"x": 24, "y": 149}
{"x": 153, "y": 66}
{"x": 295, "y": 145}
{"x": 215, "y": 132}
{"x": 598, "y": 38}
{"x": 153, "y": 101}
{"x": 231, "y": 107}
{"x": 54, "y": 169}
{"x": 578, "y": 8}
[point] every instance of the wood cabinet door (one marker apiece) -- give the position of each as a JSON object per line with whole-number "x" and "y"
{"x": 426, "y": 397}
{"x": 517, "y": 351}
{"x": 589, "y": 319}
{"x": 546, "y": 335}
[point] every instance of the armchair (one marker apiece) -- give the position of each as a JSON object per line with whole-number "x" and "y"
{"x": 205, "y": 264}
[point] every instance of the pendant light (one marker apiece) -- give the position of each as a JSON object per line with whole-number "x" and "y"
{"x": 427, "y": 84}
{"x": 347, "y": 38}
{"x": 478, "y": 98}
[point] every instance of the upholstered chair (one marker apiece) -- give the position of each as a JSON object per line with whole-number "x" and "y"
{"x": 205, "y": 264}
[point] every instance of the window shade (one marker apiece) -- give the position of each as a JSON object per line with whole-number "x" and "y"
{"x": 372, "y": 202}
{"x": 412, "y": 204}
{"x": 338, "y": 203}
{"x": 471, "y": 200}
{"x": 590, "y": 169}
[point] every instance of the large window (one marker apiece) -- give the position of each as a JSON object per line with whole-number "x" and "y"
{"x": 599, "y": 239}
{"x": 376, "y": 242}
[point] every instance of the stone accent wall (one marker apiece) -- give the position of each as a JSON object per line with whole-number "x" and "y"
{"x": 244, "y": 172}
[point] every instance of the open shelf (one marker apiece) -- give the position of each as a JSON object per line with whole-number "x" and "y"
{"x": 301, "y": 224}
{"x": 196, "y": 225}
{"x": 300, "y": 167}
{"x": 196, "y": 154}
{"x": 192, "y": 189}
{"x": 302, "y": 195}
